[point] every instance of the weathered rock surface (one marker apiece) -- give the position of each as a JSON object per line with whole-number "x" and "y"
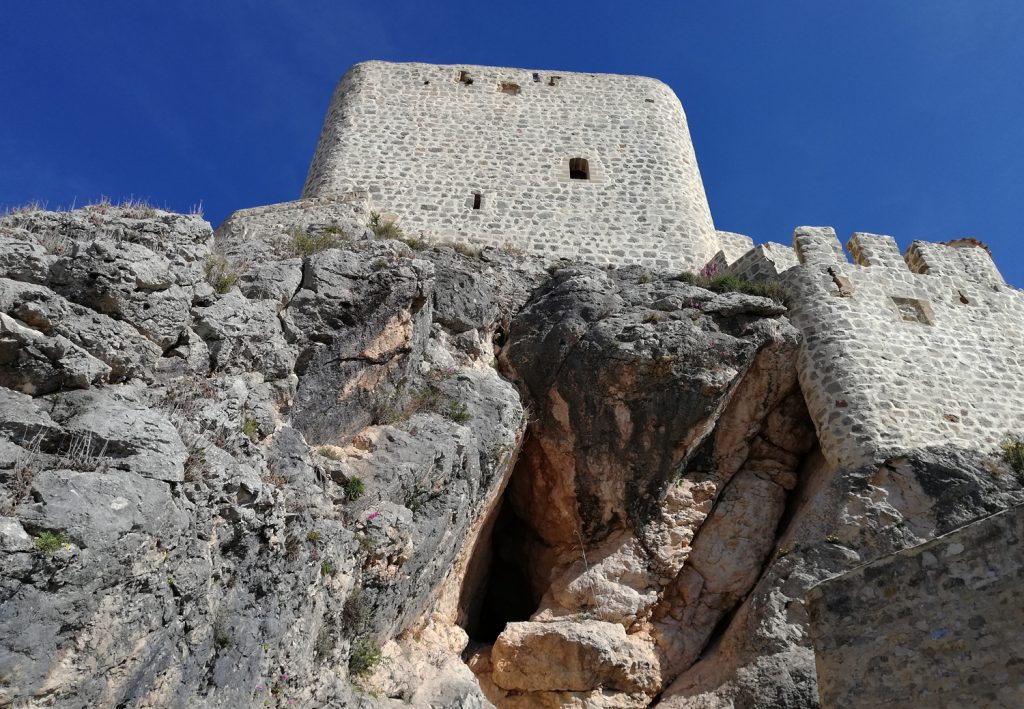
{"x": 174, "y": 533}
{"x": 235, "y": 472}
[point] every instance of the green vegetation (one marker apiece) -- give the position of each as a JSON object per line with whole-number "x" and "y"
{"x": 221, "y": 274}
{"x": 305, "y": 244}
{"x": 365, "y": 656}
{"x": 385, "y": 228}
{"x": 354, "y": 488}
{"x": 221, "y": 636}
{"x": 313, "y": 536}
{"x": 251, "y": 428}
{"x": 329, "y": 452}
{"x": 50, "y": 542}
{"x": 722, "y": 283}
{"x": 326, "y": 568}
{"x": 356, "y": 613}
{"x": 457, "y": 411}
{"x": 1013, "y": 455}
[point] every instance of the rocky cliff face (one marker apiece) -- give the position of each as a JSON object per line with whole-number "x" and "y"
{"x": 326, "y": 469}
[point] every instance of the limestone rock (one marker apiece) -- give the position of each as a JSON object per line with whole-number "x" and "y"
{"x": 575, "y": 657}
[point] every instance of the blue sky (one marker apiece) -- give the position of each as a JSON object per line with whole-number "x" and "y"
{"x": 896, "y": 117}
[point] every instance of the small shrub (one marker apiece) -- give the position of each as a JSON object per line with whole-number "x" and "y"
{"x": 221, "y": 274}
{"x": 251, "y": 428}
{"x": 384, "y": 228}
{"x": 365, "y": 656}
{"x": 305, "y": 244}
{"x": 354, "y": 488}
{"x": 458, "y": 412}
{"x": 356, "y": 613}
{"x": 326, "y": 568}
{"x": 832, "y": 539}
{"x": 194, "y": 464}
{"x": 329, "y": 452}
{"x": 50, "y": 542}
{"x": 1013, "y": 455}
{"x": 221, "y": 636}
{"x": 724, "y": 283}
{"x": 414, "y": 243}
{"x": 313, "y": 536}
{"x": 654, "y": 318}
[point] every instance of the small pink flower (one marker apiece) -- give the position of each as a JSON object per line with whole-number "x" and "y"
{"x": 284, "y": 675}
{"x": 373, "y": 515}
{"x": 259, "y": 687}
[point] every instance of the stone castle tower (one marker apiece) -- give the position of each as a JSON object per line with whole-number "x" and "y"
{"x": 594, "y": 166}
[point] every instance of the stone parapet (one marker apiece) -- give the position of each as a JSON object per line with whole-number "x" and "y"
{"x": 895, "y": 358}
{"x": 938, "y": 625}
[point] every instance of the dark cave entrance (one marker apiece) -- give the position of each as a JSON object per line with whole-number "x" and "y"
{"x": 497, "y": 590}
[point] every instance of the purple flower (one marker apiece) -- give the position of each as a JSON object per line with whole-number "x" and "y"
{"x": 372, "y": 516}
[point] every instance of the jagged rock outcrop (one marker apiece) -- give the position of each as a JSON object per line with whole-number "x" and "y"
{"x": 235, "y": 497}
{"x": 240, "y": 470}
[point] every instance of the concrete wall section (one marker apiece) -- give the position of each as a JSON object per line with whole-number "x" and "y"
{"x": 894, "y": 359}
{"x": 424, "y": 143}
{"x": 938, "y": 625}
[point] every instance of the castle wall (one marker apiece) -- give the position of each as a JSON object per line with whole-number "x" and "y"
{"x": 895, "y": 359}
{"x": 423, "y": 144}
{"x": 938, "y": 625}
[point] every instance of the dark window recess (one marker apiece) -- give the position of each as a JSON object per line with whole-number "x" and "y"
{"x": 506, "y": 87}
{"x": 649, "y": 100}
{"x": 579, "y": 169}
{"x": 553, "y": 81}
{"x": 478, "y": 200}
{"x": 914, "y": 310}
{"x": 536, "y": 76}
{"x": 426, "y": 82}
{"x": 465, "y": 78}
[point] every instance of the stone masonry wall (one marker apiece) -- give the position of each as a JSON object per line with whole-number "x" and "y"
{"x": 938, "y": 625}
{"x": 424, "y": 144}
{"x": 895, "y": 358}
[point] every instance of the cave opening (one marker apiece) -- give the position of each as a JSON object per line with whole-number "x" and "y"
{"x": 501, "y": 591}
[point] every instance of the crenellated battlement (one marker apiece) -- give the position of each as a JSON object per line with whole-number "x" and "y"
{"x": 900, "y": 350}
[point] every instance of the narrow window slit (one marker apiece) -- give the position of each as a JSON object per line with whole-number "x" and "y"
{"x": 478, "y": 200}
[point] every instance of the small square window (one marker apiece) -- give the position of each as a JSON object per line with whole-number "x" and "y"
{"x": 914, "y": 310}
{"x": 579, "y": 169}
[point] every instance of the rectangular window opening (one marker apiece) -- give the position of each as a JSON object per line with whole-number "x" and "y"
{"x": 553, "y": 81}
{"x": 478, "y": 200}
{"x": 536, "y": 76}
{"x": 914, "y": 310}
{"x": 579, "y": 169}
{"x": 465, "y": 78}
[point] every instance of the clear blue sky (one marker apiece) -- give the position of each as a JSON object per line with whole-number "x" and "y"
{"x": 896, "y": 117}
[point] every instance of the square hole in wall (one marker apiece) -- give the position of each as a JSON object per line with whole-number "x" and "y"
{"x": 914, "y": 310}
{"x": 465, "y": 78}
{"x": 579, "y": 169}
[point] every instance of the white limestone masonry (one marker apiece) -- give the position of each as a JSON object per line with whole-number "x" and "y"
{"x": 902, "y": 353}
{"x": 481, "y": 156}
